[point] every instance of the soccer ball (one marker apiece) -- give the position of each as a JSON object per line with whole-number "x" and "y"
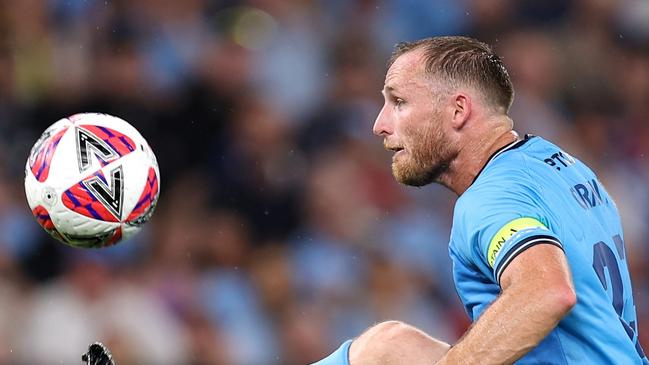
{"x": 91, "y": 180}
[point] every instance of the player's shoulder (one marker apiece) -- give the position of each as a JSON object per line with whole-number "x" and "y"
{"x": 506, "y": 173}
{"x": 506, "y": 191}
{"x": 506, "y": 181}
{"x": 515, "y": 163}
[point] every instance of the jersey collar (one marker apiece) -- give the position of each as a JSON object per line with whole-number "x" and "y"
{"x": 512, "y": 146}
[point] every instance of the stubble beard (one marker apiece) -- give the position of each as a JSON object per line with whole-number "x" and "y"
{"x": 429, "y": 158}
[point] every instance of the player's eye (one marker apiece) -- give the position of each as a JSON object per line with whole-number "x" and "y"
{"x": 398, "y": 102}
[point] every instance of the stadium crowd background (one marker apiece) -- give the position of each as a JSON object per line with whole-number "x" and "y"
{"x": 280, "y": 230}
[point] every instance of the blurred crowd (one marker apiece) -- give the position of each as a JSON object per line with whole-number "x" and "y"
{"x": 280, "y": 231}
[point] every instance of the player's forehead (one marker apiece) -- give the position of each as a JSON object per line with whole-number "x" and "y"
{"x": 407, "y": 70}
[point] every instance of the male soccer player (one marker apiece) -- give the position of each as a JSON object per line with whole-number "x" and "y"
{"x": 536, "y": 244}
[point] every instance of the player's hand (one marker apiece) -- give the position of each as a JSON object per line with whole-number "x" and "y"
{"x": 97, "y": 354}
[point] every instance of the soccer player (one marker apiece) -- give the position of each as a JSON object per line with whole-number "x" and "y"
{"x": 536, "y": 244}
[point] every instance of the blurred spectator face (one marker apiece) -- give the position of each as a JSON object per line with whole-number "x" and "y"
{"x": 225, "y": 67}
{"x": 172, "y": 11}
{"x": 227, "y": 239}
{"x": 633, "y": 84}
{"x": 329, "y": 192}
{"x": 207, "y": 343}
{"x": 302, "y": 337}
{"x": 537, "y": 69}
{"x": 411, "y": 123}
{"x": 490, "y": 13}
{"x": 271, "y": 272}
{"x": 28, "y": 19}
{"x": 355, "y": 71}
{"x": 259, "y": 129}
{"x": 595, "y": 12}
{"x": 119, "y": 71}
{"x": 6, "y": 69}
{"x": 90, "y": 278}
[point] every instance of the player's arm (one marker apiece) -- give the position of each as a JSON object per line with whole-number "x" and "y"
{"x": 537, "y": 292}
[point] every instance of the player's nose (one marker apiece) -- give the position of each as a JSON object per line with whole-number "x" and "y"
{"x": 383, "y": 125}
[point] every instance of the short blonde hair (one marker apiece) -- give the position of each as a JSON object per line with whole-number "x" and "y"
{"x": 464, "y": 60}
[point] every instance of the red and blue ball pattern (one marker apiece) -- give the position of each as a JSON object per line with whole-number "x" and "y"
{"x": 147, "y": 198}
{"x": 41, "y": 164}
{"x": 116, "y": 237}
{"x": 80, "y": 200}
{"x": 43, "y": 218}
{"x": 118, "y": 142}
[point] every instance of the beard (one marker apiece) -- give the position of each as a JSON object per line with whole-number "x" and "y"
{"x": 429, "y": 156}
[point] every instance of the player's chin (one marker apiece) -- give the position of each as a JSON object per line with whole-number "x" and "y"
{"x": 410, "y": 175}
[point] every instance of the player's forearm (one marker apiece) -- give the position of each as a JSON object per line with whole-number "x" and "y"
{"x": 513, "y": 325}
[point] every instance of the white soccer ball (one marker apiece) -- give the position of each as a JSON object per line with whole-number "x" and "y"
{"x": 91, "y": 180}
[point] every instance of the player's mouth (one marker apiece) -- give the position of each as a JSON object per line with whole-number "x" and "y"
{"x": 397, "y": 150}
{"x": 394, "y": 148}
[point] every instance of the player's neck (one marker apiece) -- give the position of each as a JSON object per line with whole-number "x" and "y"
{"x": 471, "y": 159}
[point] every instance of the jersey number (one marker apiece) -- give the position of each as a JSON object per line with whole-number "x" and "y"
{"x": 603, "y": 259}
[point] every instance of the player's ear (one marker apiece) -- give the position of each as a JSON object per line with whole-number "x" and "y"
{"x": 461, "y": 105}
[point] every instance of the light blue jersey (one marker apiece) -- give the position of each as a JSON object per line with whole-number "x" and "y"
{"x": 531, "y": 192}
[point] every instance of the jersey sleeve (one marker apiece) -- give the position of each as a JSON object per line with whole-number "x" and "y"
{"x": 338, "y": 357}
{"x": 496, "y": 221}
